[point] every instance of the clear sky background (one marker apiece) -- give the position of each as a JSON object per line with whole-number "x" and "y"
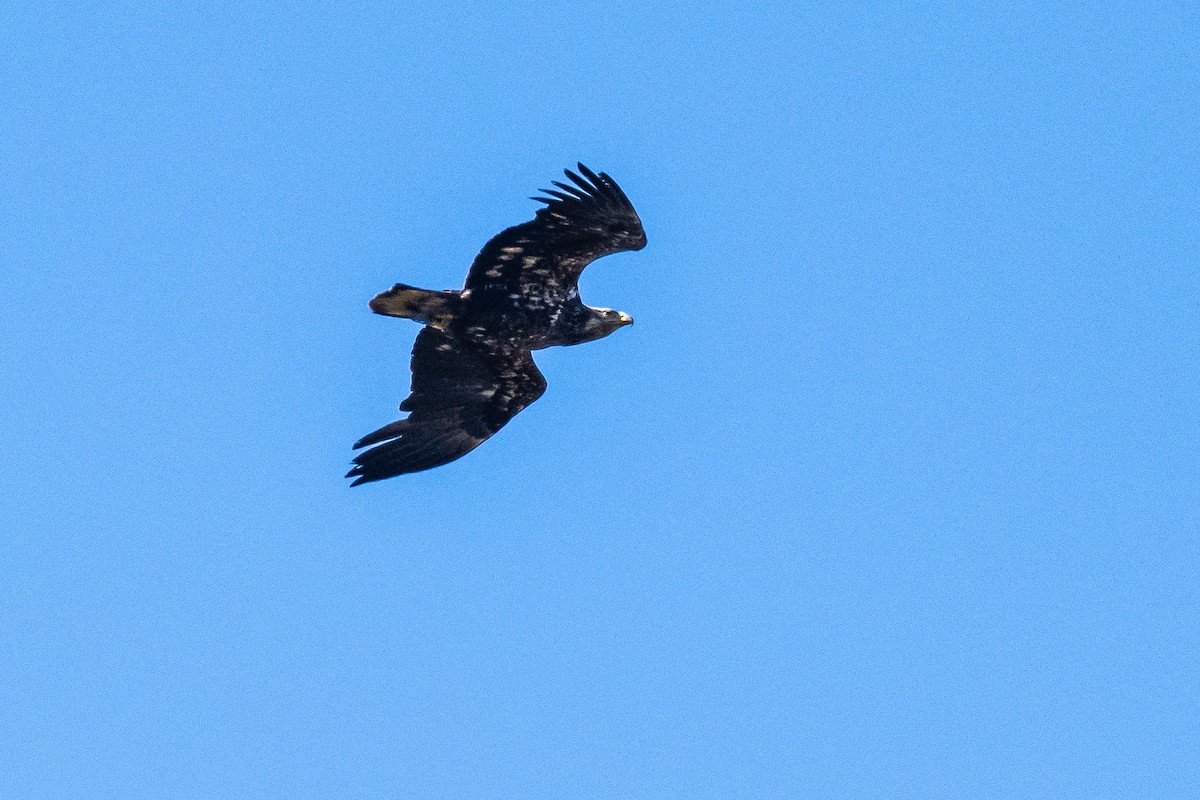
{"x": 890, "y": 492}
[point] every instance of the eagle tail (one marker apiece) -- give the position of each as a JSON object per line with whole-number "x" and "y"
{"x": 423, "y": 305}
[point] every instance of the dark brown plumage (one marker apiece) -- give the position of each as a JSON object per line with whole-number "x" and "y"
{"x": 472, "y": 364}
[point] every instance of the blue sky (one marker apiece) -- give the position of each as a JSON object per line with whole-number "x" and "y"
{"x": 890, "y": 492}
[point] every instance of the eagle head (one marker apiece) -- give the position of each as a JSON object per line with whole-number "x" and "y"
{"x": 600, "y": 322}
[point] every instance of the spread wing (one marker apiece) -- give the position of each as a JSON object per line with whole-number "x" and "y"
{"x": 461, "y": 395}
{"x": 580, "y": 223}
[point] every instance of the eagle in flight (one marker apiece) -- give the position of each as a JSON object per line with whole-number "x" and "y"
{"x": 472, "y": 365}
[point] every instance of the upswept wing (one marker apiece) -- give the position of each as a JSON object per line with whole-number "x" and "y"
{"x": 582, "y": 221}
{"x": 461, "y": 395}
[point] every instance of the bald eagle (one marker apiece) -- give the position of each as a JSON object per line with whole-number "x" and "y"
{"x": 472, "y": 364}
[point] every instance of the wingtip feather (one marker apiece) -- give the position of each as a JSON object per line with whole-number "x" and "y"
{"x": 575, "y": 191}
{"x": 591, "y": 176}
{"x": 583, "y": 184}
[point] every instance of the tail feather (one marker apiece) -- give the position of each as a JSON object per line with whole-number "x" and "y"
{"x": 424, "y": 305}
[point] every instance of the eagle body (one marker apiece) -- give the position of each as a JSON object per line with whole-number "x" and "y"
{"x": 534, "y": 322}
{"x": 472, "y": 364}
